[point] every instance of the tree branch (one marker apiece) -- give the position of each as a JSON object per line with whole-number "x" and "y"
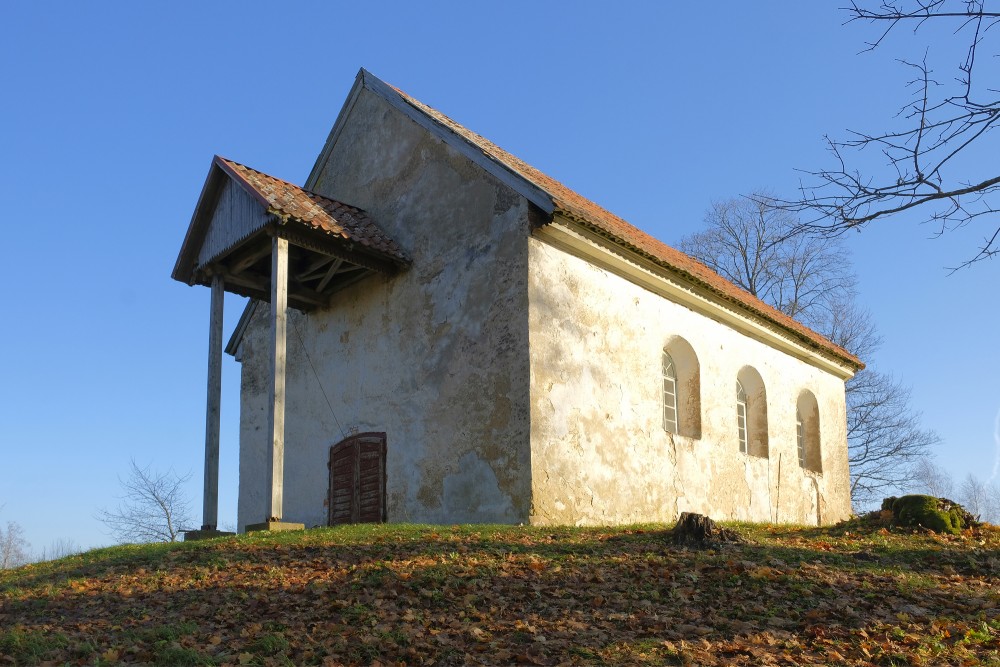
{"x": 937, "y": 135}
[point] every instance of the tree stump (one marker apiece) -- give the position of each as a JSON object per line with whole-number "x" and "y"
{"x": 699, "y": 530}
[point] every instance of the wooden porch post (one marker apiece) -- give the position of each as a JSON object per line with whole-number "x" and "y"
{"x": 276, "y": 417}
{"x": 210, "y": 508}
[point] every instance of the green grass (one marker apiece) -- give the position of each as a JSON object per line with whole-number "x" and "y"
{"x": 29, "y": 647}
{"x": 857, "y": 593}
{"x": 171, "y": 654}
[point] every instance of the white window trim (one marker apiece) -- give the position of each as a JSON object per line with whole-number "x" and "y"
{"x": 800, "y": 438}
{"x": 670, "y": 415}
{"x": 741, "y": 418}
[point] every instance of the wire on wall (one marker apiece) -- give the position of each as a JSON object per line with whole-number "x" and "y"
{"x": 302, "y": 344}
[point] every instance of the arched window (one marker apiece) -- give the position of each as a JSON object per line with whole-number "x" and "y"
{"x": 751, "y": 412}
{"x": 807, "y": 431}
{"x": 741, "y": 416}
{"x": 681, "y": 389}
{"x": 669, "y": 394}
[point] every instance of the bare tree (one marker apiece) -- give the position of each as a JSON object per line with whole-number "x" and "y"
{"x": 973, "y": 495}
{"x": 760, "y": 248}
{"x": 992, "y": 512}
{"x": 928, "y": 145}
{"x": 850, "y": 327}
{"x": 933, "y": 479}
{"x": 885, "y": 440}
{"x": 153, "y": 507}
{"x": 59, "y": 548}
{"x": 980, "y": 498}
{"x": 753, "y": 244}
{"x": 13, "y": 546}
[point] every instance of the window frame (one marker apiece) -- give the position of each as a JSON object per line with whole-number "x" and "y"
{"x": 670, "y": 398}
{"x": 800, "y": 438}
{"x": 809, "y": 433}
{"x": 741, "y": 418}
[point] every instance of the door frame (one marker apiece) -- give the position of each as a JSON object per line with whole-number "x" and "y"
{"x": 355, "y": 441}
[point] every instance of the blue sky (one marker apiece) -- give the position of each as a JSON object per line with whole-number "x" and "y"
{"x": 111, "y": 113}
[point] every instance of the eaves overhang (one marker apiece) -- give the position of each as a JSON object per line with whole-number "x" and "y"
{"x": 596, "y": 246}
{"x": 553, "y": 199}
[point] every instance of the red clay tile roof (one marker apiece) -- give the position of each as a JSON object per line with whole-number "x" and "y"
{"x": 608, "y": 224}
{"x": 316, "y": 211}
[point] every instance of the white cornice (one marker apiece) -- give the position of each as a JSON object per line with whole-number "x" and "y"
{"x": 580, "y": 241}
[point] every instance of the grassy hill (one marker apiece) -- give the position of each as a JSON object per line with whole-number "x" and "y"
{"x": 426, "y": 595}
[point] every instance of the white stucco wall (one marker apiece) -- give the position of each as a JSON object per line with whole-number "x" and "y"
{"x": 600, "y": 454}
{"x": 435, "y": 356}
{"x": 515, "y": 381}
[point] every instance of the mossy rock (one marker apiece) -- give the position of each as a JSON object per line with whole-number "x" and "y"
{"x": 968, "y": 520}
{"x": 928, "y": 512}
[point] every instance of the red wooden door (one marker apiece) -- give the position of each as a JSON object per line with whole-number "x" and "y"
{"x": 357, "y": 479}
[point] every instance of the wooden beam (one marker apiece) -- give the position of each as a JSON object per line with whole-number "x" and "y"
{"x": 276, "y": 415}
{"x": 342, "y": 284}
{"x": 210, "y": 505}
{"x": 315, "y": 275}
{"x": 258, "y": 287}
{"x": 353, "y": 267}
{"x": 251, "y": 257}
{"x": 297, "y": 290}
{"x": 252, "y": 280}
{"x": 329, "y": 275}
{"x": 261, "y": 295}
{"x": 314, "y": 267}
{"x": 338, "y": 247}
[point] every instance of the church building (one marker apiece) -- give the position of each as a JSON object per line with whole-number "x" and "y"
{"x": 440, "y": 333}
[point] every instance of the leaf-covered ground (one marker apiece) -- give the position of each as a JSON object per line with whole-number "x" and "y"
{"x": 421, "y": 595}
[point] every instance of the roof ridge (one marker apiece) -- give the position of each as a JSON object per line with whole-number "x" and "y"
{"x": 321, "y": 212}
{"x": 569, "y": 201}
{"x": 307, "y": 191}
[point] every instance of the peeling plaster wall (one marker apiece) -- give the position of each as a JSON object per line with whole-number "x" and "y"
{"x": 254, "y": 453}
{"x": 600, "y": 454}
{"x": 435, "y": 356}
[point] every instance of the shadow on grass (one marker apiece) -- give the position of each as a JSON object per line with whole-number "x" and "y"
{"x": 372, "y": 543}
{"x": 365, "y": 594}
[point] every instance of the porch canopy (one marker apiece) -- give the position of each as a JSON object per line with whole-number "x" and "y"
{"x": 241, "y": 210}
{"x": 261, "y": 237}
